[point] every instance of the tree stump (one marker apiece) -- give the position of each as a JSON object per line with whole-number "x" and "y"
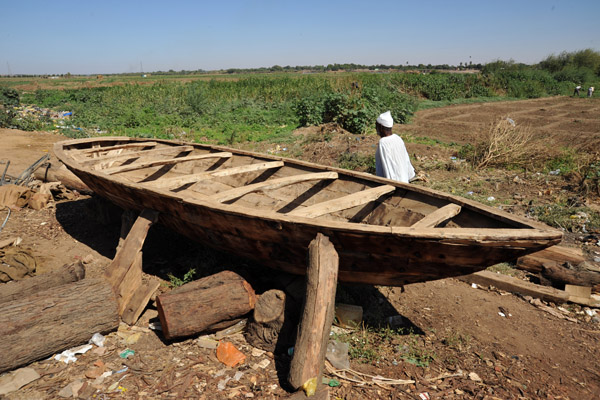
{"x": 56, "y": 319}
{"x": 15, "y": 290}
{"x": 200, "y": 305}
{"x": 317, "y": 317}
{"x": 270, "y": 327}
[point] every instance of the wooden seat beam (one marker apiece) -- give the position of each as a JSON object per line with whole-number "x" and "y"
{"x": 118, "y": 147}
{"x": 103, "y": 160}
{"x": 438, "y": 216}
{"x": 167, "y": 161}
{"x": 271, "y": 184}
{"x": 190, "y": 178}
{"x": 343, "y": 203}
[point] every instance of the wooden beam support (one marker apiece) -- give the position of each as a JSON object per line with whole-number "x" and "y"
{"x": 138, "y": 302}
{"x": 118, "y": 147}
{"x": 317, "y": 317}
{"x": 271, "y": 184}
{"x": 124, "y": 273}
{"x": 191, "y": 178}
{"x": 515, "y": 285}
{"x": 343, "y": 203}
{"x": 99, "y": 163}
{"x": 166, "y": 161}
{"x": 438, "y": 216}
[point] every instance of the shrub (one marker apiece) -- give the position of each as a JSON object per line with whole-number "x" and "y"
{"x": 505, "y": 144}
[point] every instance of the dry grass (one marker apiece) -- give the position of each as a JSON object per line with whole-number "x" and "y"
{"x": 506, "y": 143}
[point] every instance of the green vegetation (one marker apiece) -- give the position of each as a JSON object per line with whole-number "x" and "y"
{"x": 187, "y": 277}
{"x": 571, "y": 219}
{"x": 269, "y": 103}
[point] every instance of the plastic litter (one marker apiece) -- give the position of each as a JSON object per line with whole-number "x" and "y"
{"x": 207, "y": 342}
{"x": 474, "y": 285}
{"x": 155, "y": 326}
{"x": 330, "y": 382}
{"x": 97, "y": 339}
{"x": 126, "y": 353}
{"x": 263, "y": 364}
{"x": 223, "y": 383}
{"x": 290, "y": 351}
{"x": 491, "y": 198}
{"x": 555, "y": 172}
{"x": 337, "y": 354}
{"x": 238, "y": 327}
{"x": 470, "y": 193}
{"x": 229, "y": 355}
{"x": 238, "y": 375}
{"x": 68, "y": 356}
{"x": 424, "y": 396}
{"x": 310, "y": 387}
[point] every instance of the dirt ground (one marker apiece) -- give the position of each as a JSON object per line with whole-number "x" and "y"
{"x": 454, "y": 345}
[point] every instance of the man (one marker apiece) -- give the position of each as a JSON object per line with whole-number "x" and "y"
{"x": 391, "y": 157}
{"x": 590, "y": 91}
{"x": 577, "y": 89}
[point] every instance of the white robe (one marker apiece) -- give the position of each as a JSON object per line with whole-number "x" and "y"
{"x": 392, "y": 161}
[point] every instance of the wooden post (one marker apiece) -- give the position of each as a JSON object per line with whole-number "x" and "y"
{"x": 53, "y": 320}
{"x": 317, "y": 317}
{"x": 16, "y": 290}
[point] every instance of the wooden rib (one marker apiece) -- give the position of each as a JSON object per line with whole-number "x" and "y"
{"x": 185, "y": 179}
{"x": 438, "y": 216}
{"x": 116, "y": 147}
{"x": 343, "y": 203}
{"x": 99, "y": 162}
{"x": 271, "y": 184}
{"x": 154, "y": 163}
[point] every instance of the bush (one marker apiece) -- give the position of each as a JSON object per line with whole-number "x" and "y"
{"x": 506, "y": 144}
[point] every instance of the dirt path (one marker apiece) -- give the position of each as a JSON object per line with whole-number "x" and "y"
{"x": 447, "y": 327}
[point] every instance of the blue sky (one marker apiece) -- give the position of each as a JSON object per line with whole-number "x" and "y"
{"x": 89, "y": 37}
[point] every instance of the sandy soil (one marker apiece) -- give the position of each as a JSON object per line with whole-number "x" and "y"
{"x": 530, "y": 354}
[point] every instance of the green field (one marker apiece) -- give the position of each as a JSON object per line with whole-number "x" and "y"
{"x": 240, "y": 107}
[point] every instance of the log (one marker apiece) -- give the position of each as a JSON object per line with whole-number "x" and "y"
{"x": 270, "y": 327}
{"x": 57, "y": 172}
{"x": 197, "y": 306}
{"x": 18, "y": 289}
{"x": 317, "y": 316}
{"x": 562, "y": 275}
{"x": 553, "y": 256}
{"x": 56, "y": 319}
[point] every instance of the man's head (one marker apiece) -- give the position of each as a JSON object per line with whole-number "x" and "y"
{"x": 384, "y": 124}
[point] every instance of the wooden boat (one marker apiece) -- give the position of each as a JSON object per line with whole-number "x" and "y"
{"x": 269, "y": 208}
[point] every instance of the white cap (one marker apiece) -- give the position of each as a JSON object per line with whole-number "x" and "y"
{"x": 386, "y": 119}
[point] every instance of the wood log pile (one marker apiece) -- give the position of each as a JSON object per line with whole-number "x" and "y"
{"x": 45, "y": 314}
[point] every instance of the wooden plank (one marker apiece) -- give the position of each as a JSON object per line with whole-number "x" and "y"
{"x": 139, "y": 301}
{"x": 343, "y": 203}
{"x": 317, "y": 316}
{"x": 125, "y": 257}
{"x": 130, "y": 283}
{"x": 515, "y": 285}
{"x": 438, "y": 216}
{"x": 185, "y": 179}
{"x": 101, "y": 162}
{"x": 271, "y": 184}
{"x": 166, "y": 161}
{"x": 117, "y": 147}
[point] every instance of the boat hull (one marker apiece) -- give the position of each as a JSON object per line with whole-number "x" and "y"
{"x": 380, "y": 257}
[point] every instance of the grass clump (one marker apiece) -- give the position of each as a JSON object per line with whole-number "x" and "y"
{"x": 571, "y": 219}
